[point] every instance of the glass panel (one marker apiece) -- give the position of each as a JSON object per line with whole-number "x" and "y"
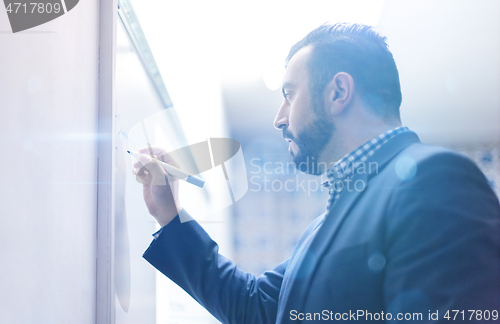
{"x": 145, "y": 116}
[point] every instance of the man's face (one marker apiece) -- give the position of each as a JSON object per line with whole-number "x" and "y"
{"x": 304, "y": 123}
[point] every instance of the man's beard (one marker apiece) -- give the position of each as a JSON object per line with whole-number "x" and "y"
{"x": 310, "y": 143}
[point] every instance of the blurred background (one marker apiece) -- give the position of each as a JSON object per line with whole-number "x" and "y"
{"x": 222, "y": 63}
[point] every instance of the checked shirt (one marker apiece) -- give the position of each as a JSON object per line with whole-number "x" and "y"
{"x": 344, "y": 168}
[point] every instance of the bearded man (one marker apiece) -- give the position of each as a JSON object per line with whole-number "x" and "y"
{"x": 418, "y": 242}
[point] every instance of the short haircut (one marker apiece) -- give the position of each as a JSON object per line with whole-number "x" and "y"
{"x": 360, "y": 51}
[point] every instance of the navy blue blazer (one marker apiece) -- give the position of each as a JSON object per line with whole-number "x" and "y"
{"x": 421, "y": 238}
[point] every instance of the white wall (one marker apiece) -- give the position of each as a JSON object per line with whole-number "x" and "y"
{"x": 48, "y": 102}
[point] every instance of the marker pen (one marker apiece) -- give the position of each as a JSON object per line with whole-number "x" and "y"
{"x": 173, "y": 171}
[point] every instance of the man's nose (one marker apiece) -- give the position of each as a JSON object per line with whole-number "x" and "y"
{"x": 281, "y": 119}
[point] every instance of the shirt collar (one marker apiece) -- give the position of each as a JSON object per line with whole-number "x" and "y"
{"x": 344, "y": 167}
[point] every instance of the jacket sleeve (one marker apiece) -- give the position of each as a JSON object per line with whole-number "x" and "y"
{"x": 186, "y": 254}
{"x": 443, "y": 246}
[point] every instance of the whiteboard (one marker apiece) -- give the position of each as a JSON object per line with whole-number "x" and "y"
{"x": 144, "y": 115}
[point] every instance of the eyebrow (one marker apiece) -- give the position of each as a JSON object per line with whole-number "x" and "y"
{"x": 286, "y": 85}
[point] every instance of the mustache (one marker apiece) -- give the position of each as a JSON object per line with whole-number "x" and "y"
{"x": 286, "y": 134}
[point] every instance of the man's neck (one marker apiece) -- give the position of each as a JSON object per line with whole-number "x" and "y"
{"x": 344, "y": 143}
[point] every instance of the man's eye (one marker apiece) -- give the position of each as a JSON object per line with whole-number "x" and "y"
{"x": 287, "y": 96}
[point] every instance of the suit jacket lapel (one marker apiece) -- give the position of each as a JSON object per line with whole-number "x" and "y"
{"x": 338, "y": 212}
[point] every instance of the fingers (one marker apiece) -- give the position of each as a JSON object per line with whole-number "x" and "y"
{"x": 148, "y": 171}
{"x": 144, "y": 177}
{"x": 156, "y": 150}
{"x": 159, "y": 175}
{"x": 142, "y": 174}
{"x": 167, "y": 158}
{"x": 136, "y": 167}
{"x": 159, "y": 153}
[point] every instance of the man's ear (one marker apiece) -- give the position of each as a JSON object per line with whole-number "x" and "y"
{"x": 338, "y": 93}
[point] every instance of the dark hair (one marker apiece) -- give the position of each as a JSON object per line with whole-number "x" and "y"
{"x": 360, "y": 51}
